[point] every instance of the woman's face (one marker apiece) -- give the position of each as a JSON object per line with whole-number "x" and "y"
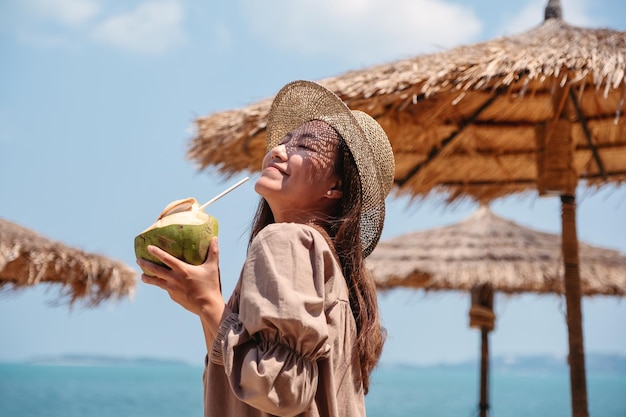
{"x": 298, "y": 173}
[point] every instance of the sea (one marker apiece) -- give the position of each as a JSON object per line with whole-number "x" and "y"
{"x": 174, "y": 390}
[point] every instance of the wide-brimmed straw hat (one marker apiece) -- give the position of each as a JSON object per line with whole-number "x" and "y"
{"x": 302, "y": 101}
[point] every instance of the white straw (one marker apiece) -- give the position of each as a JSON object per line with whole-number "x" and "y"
{"x": 223, "y": 193}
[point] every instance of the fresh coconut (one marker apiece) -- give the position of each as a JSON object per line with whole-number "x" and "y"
{"x": 183, "y": 230}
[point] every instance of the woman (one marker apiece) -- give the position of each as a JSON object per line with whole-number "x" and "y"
{"x": 300, "y": 334}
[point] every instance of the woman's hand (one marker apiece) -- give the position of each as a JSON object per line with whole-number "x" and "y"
{"x": 197, "y": 288}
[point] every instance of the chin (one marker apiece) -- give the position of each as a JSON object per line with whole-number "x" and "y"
{"x": 263, "y": 186}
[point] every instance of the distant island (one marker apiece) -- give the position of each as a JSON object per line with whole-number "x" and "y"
{"x": 104, "y": 360}
{"x": 594, "y": 363}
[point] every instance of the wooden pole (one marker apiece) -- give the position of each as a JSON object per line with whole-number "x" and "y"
{"x": 484, "y": 373}
{"x": 557, "y": 175}
{"x": 576, "y": 358}
{"x": 482, "y": 316}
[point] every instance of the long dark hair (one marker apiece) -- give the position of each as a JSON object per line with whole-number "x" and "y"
{"x": 344, "y": 231}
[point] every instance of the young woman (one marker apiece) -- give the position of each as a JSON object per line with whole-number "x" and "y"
{"x": 301, "y": 333}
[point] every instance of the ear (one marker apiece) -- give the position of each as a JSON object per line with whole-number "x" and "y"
{"x": 335, "y": 192}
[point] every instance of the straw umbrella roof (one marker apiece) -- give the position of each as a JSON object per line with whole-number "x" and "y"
{"x": 27, "y": 259}
{"x": 488, "y": 137}
{"x": 488, "y": 249}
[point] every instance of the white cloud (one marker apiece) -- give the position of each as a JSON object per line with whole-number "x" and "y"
{"x": 152, "y": 27}
{"x": 363, "y": 31}
{"x": 69, "y": 12}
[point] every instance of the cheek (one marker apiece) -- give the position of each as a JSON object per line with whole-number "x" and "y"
{"x": 320, "y": 169}
{"x": 265, "y": 161}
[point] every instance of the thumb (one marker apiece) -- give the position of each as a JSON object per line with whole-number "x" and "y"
{"x": 213, "y": 252}
{"x": 213, "y": 259}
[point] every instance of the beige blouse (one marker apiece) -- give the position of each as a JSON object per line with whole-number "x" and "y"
{"x": 288, "y": 348}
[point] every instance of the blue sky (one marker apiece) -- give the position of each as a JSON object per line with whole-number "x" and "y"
{"x": 97, "y": 101}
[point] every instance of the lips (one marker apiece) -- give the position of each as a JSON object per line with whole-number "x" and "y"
{"x": 275, "y": 167}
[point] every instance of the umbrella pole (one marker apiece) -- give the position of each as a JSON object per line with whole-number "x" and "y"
{"x": 483, "y": 406}
{"x": 482, "y": 316}
{"x": 576, "y": 358}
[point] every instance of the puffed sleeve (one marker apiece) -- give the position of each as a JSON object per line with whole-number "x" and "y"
{"x": 270, "y": 349}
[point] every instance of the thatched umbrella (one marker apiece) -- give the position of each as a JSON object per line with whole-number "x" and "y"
{"x": 486, "y": 253}
{"x": 535, "y": 111}
{"x": 483, "y": 108}
{"x": 27, "y": 259}
{"x": 485, "y": 249}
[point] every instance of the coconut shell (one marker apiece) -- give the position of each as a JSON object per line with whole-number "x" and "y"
{"x": 185, "y": 235}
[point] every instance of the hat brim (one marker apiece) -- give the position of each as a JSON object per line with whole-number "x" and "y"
{"x": 302, "y": 101}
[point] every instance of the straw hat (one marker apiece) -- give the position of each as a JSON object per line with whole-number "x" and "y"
{"x": 302, "y": 101}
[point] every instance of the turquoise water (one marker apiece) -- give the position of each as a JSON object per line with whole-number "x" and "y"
{"x": 410, "y": 392}
{"x": 99, "y": 391}
{"x": 176, "y": 391}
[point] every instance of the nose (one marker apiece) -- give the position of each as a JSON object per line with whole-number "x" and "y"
{"x": 279, "y": 152}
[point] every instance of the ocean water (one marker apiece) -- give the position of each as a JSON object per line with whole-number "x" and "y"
{"x": 439, "y": 392}
{"x": 99, "y": 391}
{"x": 34, "y": 390}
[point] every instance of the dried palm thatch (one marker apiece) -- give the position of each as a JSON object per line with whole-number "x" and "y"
{"x": 485, "y": 249}
{"x": 27, "y": 259}
{"x": 478, "y": 107}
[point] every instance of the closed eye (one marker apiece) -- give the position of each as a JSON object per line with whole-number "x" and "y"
{"x": 286, "y": 139}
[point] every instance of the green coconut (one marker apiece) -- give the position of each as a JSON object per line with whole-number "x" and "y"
{"x": 183, "y": 230}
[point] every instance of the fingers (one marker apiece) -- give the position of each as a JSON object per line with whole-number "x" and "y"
{"x": 191, "y": 286}
{"x": 169, "y": 260}
{"x": 156, "y": 274}
{"x": 152, "y": 280}
{"x": 153, "y": 273}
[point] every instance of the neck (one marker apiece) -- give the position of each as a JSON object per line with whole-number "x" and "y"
{"x": 304, "y": 217}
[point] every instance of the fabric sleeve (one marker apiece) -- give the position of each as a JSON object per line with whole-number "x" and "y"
{"x": 270, "y": 349}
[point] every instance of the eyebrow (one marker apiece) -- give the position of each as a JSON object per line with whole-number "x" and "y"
{"x": 330, "y": 134}
{"x": 316, "y": 135}
{"x": 313, "y": 136}
{"x": 310, "y": 135}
